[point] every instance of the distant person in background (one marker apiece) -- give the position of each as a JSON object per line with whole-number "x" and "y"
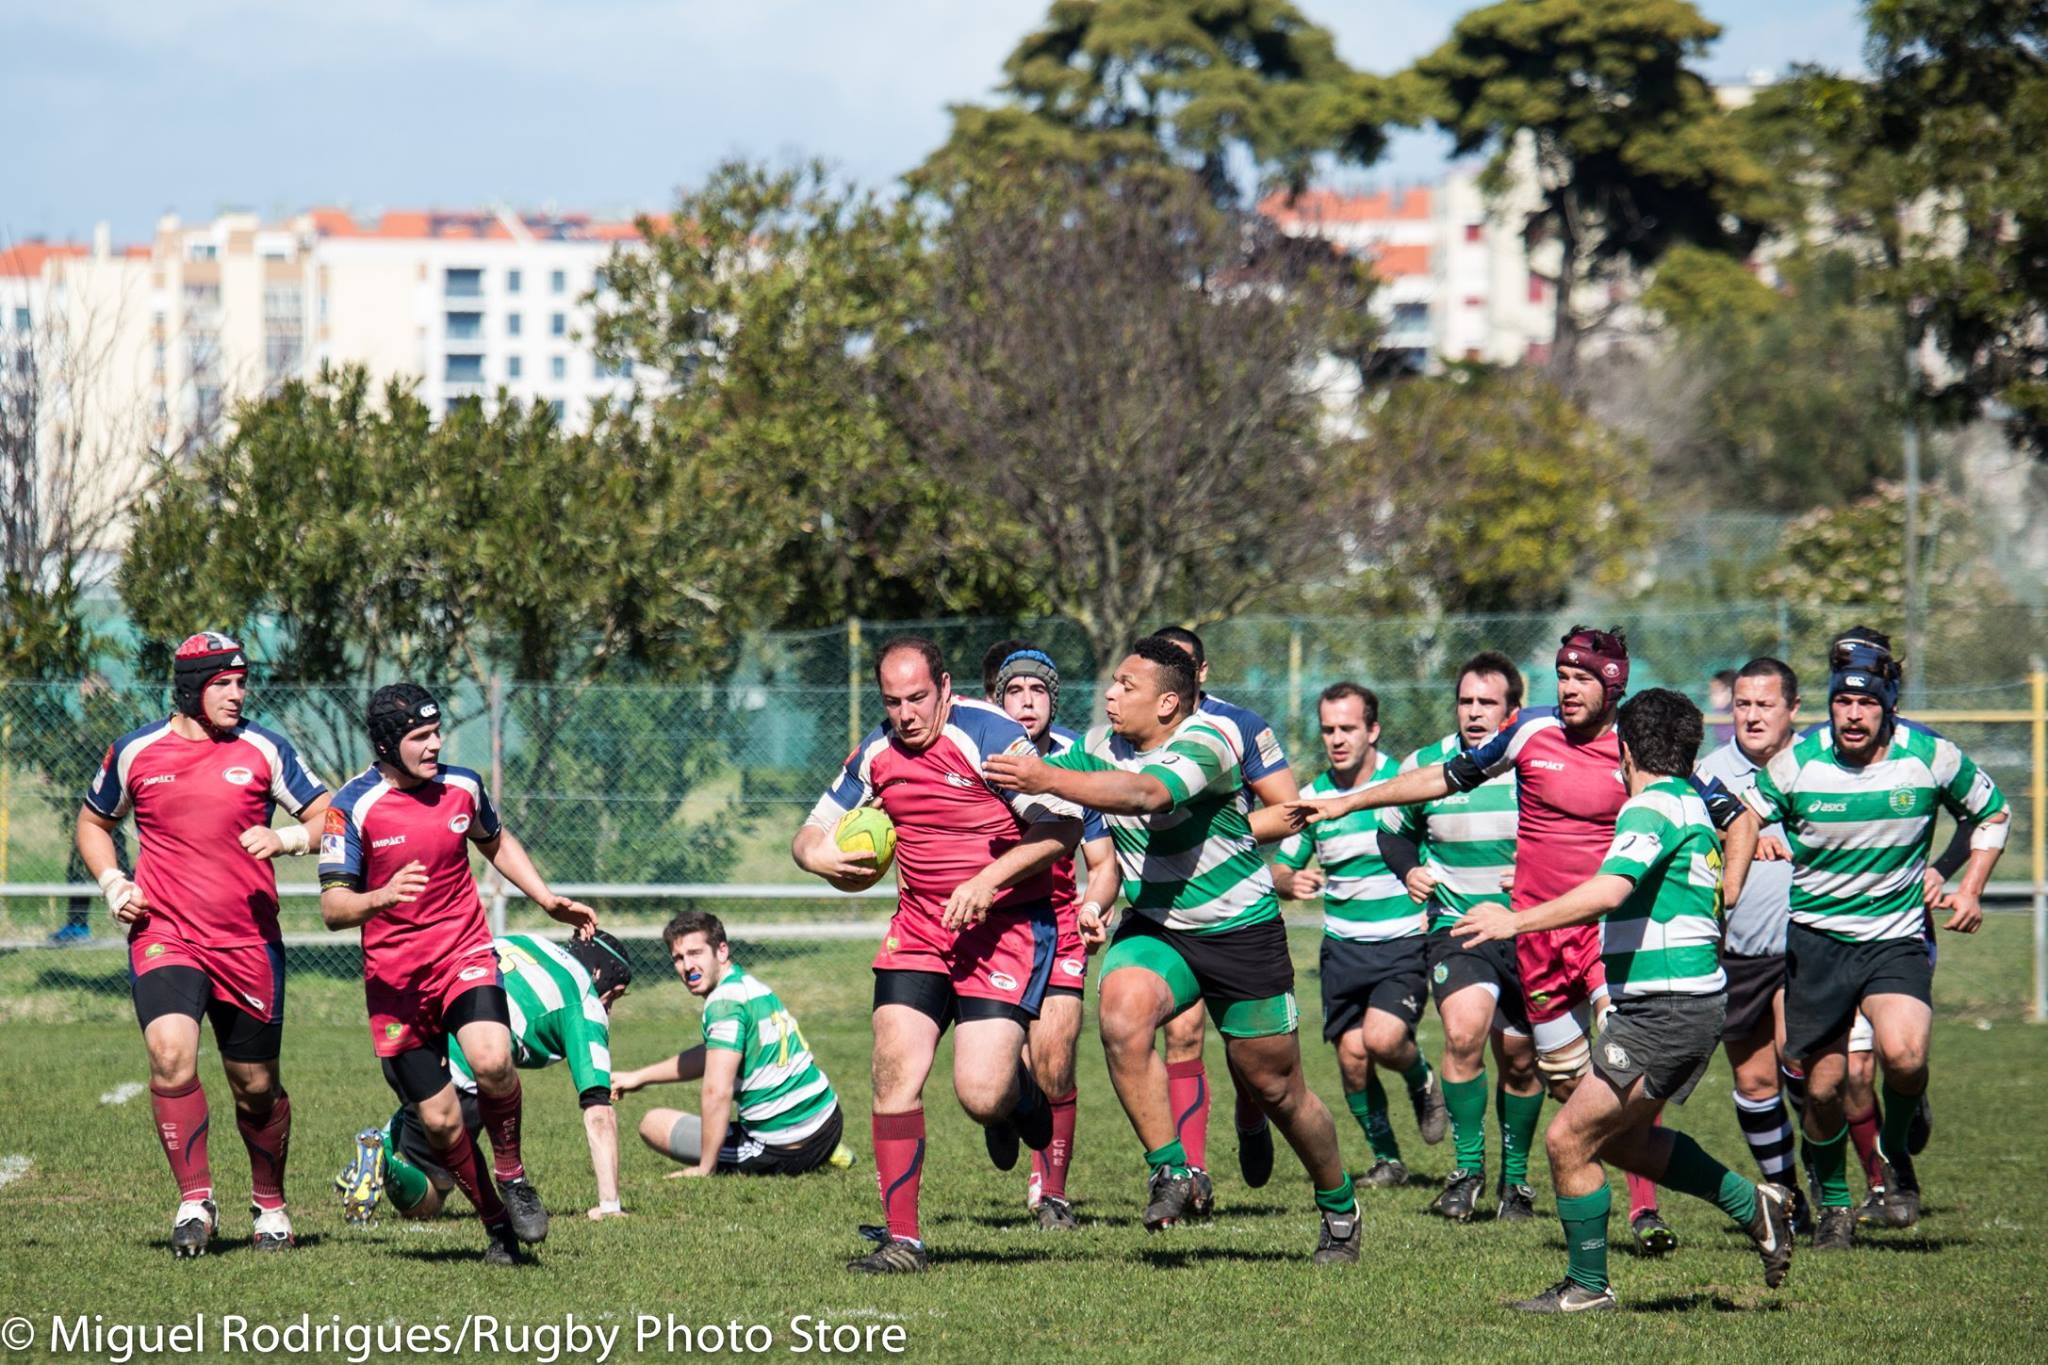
{"x": 1721, "y": 702}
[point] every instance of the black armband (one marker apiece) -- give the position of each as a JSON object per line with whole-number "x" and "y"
{"x": 1399, "y": 853}
{"x": 1463, "y": 774}
{"x": 1958, "y": 851}
{"x": 1724, "y": 807}
{"x": 594, "y": 1096}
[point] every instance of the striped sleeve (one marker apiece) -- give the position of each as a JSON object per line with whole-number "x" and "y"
{"x": 1771, "y": 796}
{"x": 1295, "y": 851}
{"x": 1644, "y": 837}
{"x": 1194, "y": 759}
{"x": 849, "y": 789}
{"x": 1966, "y": 789}
{"x": 725, "y": 1025}
{"x": 1076, "y": 759}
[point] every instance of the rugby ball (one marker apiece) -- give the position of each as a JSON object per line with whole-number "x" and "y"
{"x": 864, "y": 829}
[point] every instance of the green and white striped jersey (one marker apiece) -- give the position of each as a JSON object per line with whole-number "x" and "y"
{"x": 1860, "y": 836}
{"x": 783, "y": 1097}
{"x": 1362, "y": 898}
{"x": 1467, "y": 839}
{"x": 1665, "y": 939}
{"x": 556, "y": 1015}
{"x": 1195, "y": 866}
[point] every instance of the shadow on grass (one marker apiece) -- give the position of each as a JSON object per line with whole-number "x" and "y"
{"x": 236, "y": 1246}
{"x": 1715, "y": 1301}
{"x": 446, "y": 1255}
{"x": 1914, "y": 1245}
{"x": 1182, "y": 1258}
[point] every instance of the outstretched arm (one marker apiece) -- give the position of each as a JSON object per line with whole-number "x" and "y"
{"x": 601, "y": 1131}
{"x": 1583, "y": 904}
{"x": 508, "y": 855}
{"x": 1416, "y": 785}
{"x": 721, "y": 1077}
{"x": 1111, "y": 791}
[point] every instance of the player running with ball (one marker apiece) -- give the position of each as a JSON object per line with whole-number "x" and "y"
{"x": 1656, "y": 898}
{"x": 974, "y": 933}
{"x": 394, "y": 861}
{"x": 201, "y": 913}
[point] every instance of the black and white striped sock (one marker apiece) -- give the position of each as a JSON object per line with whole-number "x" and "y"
{"x": 1768, "y": 1131}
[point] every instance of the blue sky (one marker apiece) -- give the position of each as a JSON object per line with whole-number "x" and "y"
{"x": 124, "y": 109}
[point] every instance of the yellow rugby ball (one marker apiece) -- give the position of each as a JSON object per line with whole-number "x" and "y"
{"x": 864, "y": 829}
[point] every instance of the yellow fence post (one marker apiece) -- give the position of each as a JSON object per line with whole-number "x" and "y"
{"x": 2039, "y": 803}
{"x": 853, "y": 730}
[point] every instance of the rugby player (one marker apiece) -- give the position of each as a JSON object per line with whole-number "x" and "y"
{"x": 1204, "y": 924}
{"x": 1657, "y": 898}
{"x": 1269, "y": 780}
{"x": 1858, "y": 799}
{"x": 1453, "y": 853}
{"x": 1372, "y": 962}
{"x": 201, "y": 912}
{"x": 974, "y": 933}
{"x": 1765, "y": 707}
{"x": 394, "y": 862}
{"x": 753, "y": 1056}
{"x": 560, "y": 997}
{"x": 1025, "y": 682}
{"x": 1567, "y": 763}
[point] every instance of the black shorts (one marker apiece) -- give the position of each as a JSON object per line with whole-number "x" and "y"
{"x": 932, "y": 995}
{"x": 1665, "y": 1039}
{"x": 1753, "y": 983}
{"x": 1251, "y": 963}
{"x": 1454, "y": 965}
{"x": 1826, "y": 981}
{"x": 409, "y": 1139}
{"x": 744, "y": 1153}
{"x": 1359, "y": 976}
{"x": 241, "y": 1036}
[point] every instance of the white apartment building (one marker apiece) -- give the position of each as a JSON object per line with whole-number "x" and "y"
{"x": 1457, "y": 283}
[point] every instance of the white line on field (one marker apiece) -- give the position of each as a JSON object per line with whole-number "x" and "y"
{"x": 122, "y": 1093}
{"x": 12, "y": 1168}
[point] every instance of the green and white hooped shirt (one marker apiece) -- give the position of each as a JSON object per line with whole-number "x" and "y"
{"x": 1860, "y": 836}
{"x": 1467, "y": 839}
{"x": 1363, "y": 900}
{"x": 783, "y": 1097}
{"x": 1665, "y": 939}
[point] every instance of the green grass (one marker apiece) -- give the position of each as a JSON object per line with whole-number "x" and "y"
{"x": 84, "y": 1231}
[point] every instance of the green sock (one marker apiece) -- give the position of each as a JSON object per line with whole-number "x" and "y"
{"x": 1691, "y": 1171}
{"x": 1828, "y": 1161}
{"x": 406, "y": 1183}
{"x": 1172, "y": 1156}
{"x": 1899, "y": 1109}
{"x": 1585, "y": 1237}
{"x": 1343, "y": 1199}
{"x": 1467, "y": 1102}
{"x": 1416, "y": 1076}
{"x": 1369, "y": 1107}
{"x": 1518, "y": 1116}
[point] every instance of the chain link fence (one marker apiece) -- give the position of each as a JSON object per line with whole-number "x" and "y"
{"x": 649, "y": 798}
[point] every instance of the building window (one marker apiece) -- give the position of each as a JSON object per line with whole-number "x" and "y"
{"x": 512, "y": 324}
{"x": 558, "y": 368}
{"x": 558, "y": 408}
{"x": 1408, "y": 316}
{"x": 1536, "y": 289}
{"x": 21, "y": 322}
{"x": 622, "y": 370}
{"x": 598, "y": 280}
{"x": 558, "y": 281}
{"x": 465, "y": 326}
{"x": 511, "y": 281}
{"x": 513, "y": 367}
{"x": 1473, "y": 231}
{"x": 464, "y": 284}
{"x": 558, "y": 324}
{"x": 465, "y": 369}
{"x": 1474, "y": 301}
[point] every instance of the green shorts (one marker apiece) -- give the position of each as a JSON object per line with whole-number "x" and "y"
{"x": 1245, "y": 975}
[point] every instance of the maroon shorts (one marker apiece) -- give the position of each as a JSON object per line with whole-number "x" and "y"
{"x": 1560, "y": 970}
{"x": 1007, "y": 957}
{"x": 249, "y": 976}
{"x": 407, "y": 1014}
{"x": 1069, "y": 954}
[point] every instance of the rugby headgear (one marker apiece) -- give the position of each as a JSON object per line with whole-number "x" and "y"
{"x": 1603, "y": 653}
{"x": 201, "y": 659}
{"x": 1860, "y": 661}
{"x": 1031, "y": 663}
{"x": 604, "y": 957}
{"x": 395, "y": 711}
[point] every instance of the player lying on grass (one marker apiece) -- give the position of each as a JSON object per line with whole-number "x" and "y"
{"x": 201, "y": 914}
{"x": 561, "y": 996}
{"x": 1204, "y": 925}
{"x": 1657, "y": 899}
{"x": 753, "y": 1057}
{"x": 395, "y": 862}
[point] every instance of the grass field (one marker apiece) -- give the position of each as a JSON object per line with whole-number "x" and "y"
{"x": 83, "y": 1230}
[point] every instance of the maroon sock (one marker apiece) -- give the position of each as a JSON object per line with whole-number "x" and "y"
{"x": 501, "y": 1125}
{"x": 267, "y": 1138}
{"x": 1052, "y": 1163}
{"x": 1250, "y": 1118}
{"x": 1642, "y": 1193}
{"x": 465, "y": 1161}
{"x": 181, "y": 1126}
{"x": 1187, "y": 1095}
{"x": 1863, "y": 1132}
{"x": 899, "y": 1166}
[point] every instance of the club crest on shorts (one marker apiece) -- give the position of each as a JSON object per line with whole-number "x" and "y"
{"x": 153, "y": 950}
{"x": 1441, "y": 974}
{"x": 472, "y": 973}
{"x": 1617, "y": 1056}
{"x": 239, "y": 776}
{"x": 393, "y": 1030}
{"x": 1073, "y": 968}
{"x": 459, "y": 823}
{"x": 1002, "y": 981}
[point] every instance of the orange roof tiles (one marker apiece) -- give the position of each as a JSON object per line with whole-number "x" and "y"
{"x": 25, "y": 259}
{"x": 1390, "y": 262}
{"x": 1330, "y": 206}
{"x": 473, "y": 225}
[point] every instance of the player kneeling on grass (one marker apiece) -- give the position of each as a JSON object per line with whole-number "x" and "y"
{"x": 395, "y": 861}
{"x": 1659, "y": 891}
{"x": 753, "y": 1055}
{"x": 563, "y": 994}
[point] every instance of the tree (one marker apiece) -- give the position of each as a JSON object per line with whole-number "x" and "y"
{"x": 1204, "y": 86}
{"x": 761, "y": 309}
{"x": 1140, "y": 380}
{"x": 1591, "y": 107}
{"x": 1528, "y": 501}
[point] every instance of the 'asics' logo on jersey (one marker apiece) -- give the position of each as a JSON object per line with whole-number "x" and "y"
{"x": 387, "y": 841}
{"x": 1827, "y": 808}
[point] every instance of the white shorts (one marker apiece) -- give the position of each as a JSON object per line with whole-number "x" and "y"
{"x": 1860, "y": 1037}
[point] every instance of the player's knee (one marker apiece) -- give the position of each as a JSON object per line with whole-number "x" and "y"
{"x": 1385, "y": 1039}
{"x": 493, "y": 1070}
{"x": 1184, "y": 1037}
{"x": 655, "y": 1126}
{"x": 1561, "y": 1066}
{"x": 985, "y": 1098}
{"x": 1053, "y": 1070}
{"x": 1904, "y": 1061}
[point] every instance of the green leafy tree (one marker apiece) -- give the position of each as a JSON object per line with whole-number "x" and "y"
{"x": 1205, "y": 86}
{"x": 1593, "y": 108}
